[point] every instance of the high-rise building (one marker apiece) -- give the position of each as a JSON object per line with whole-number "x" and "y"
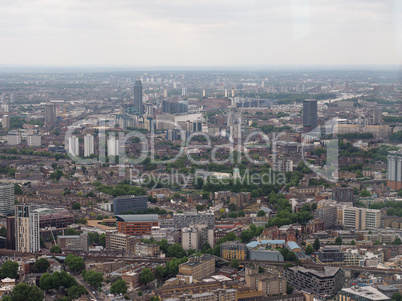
{"x": 50, "y": 113}
{"x": 34, "y": 140}
{"x": 138, "y": 104}
{"x": 10, "y": 229}
{"x": 13, "y": 137}
{"x": 124, "y": 204}
{"x": 3, "y": 98}
{"x": 73, "y": 145}
{"x": 310, "y": 114}
{"x": 26, "y": 229}
{"x": 89, "y": 148}
{"x": 190, "y": 238}
{"x": 12, "y": 98}
{"x": 361, "y": 218}
{"x": 6, "y": 198}
{"x": 5, "y": 122}
{"x": 183, "y": 91}
{"x": 149, "y": 109}
{"x": 394, "y": 179}
{"x": 112, "y": 146}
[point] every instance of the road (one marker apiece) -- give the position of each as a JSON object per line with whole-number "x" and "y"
{"x": 81, "y": 281}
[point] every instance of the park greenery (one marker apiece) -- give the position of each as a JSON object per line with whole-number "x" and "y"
{"x": 122, "y": 188}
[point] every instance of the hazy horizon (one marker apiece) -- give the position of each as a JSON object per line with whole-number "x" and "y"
{"x": 225, "y": 33}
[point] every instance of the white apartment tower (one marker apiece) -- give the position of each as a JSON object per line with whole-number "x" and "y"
{"x": 113, "y": 146}
{"x": 73, "y": 145}
{"x": 26, "y": 229}
{"x": 89, "y": 148}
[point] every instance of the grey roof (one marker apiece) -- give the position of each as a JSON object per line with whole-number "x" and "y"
{"x": 137, "y": 218}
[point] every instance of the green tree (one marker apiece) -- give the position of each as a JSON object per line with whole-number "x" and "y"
{"x": 71, "y": 231}
{"x": 119, "y": 287}
{"x": 139, "y": 293}
{"x": 232, "y": 207}
{"x": 338, "y": 240}
{"x": 76, "y": 291}
{"x": 146, "y": 276}
{"x": 289, "y": 289}
{"x": 309, "y": 249}
{"x": 81, "y": 221}
{"x": 161, "y": 271}
{"x": 55, "y": 249}
{"x": 287, "y": 265}
{"x": 45, "y": 282}
{"x": 235, "y": 263}
{"x": 9, "y": 269}
{"x": 41, "y": 265}
{"x": 397, "y": 297}
{"x": 352, "y": 242}
{"x": 74, "y": 263}
{"x": 199, "y": 207}
{"x": 260, "y": 270}
{"x": 241, "y": 213}
{"x": 93, "y": 237}
{"x": 176, "y": 250}
{"x": 261, "y": 213}
{"x": 365, "y": 193}
{"x": 93, "y": 278}
{"x": 316, "y": 244}
{"x": 17, "y": 189}
{"x": 246, "y": 236}
{"x": 397, "y": 241}
{"x": 76, "y": 206}
{"x": 25, "y": 292}
{"x": 102, "y": 239}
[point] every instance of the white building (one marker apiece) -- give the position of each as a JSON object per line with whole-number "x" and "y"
{"x": 34, "y": 140}
{"x": 26, "y": 229}
{"x": 73, "y": 145}
{"x": 113, "y": 146}
{"x": 5, "y": 122}
{"x": 13, "y": 138}
{"x": 89, "y": 148}
{"x": 361, "y": 218}
{"x": 190, "y": 239}
{"x": 6, "y": 198}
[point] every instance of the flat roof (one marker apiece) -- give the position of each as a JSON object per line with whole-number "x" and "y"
{"x": 367, "y": 292}
{"x": 137, "y": 218}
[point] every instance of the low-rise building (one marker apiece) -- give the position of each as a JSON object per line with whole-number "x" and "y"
{"x": 330, "y": 254}
{"x": 326, "y": 282}
{"x": 73, "y": 242}
{"x": 234, "y": 250}
{"x": 361, "y": 293}
{"x": 198, "y": 267}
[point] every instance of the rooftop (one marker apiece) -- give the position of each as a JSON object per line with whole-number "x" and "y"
{"x": 137, "y": 218}
{"x": 366, "y": 292}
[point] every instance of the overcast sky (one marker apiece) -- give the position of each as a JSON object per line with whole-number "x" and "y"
{"x": 200, "y": 33}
